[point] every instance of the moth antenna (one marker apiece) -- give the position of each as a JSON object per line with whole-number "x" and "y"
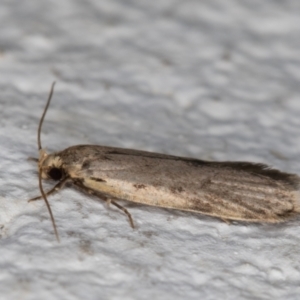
{"x": 48, "y": 205}
{"x": 40, "y": 171}
{"x": 43, "y": 115}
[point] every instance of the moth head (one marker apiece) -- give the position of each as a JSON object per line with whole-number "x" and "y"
{"x": 50, "y": 166}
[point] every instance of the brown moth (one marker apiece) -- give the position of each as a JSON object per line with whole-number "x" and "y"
{"x": 228, "y": 190}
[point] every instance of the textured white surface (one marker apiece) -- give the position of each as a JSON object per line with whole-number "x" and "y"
{"x": 208, "y": 79}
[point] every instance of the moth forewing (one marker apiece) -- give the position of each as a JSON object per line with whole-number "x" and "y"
{"x": 228, "y": 190}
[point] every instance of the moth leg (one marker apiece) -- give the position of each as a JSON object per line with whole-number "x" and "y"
{"x": 56, "y": 188}
{"x": 33, "y": 159}
{"x": 226, "y": 221}
{"x": 108, "y": 202}
{"x": 124, "y": 210}
{"x": 104, "y": 198}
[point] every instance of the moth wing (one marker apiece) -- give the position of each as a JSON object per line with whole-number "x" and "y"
{"x": 230, "y": 190}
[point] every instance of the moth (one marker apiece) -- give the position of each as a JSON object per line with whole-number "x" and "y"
{"x": 244, "y": 191}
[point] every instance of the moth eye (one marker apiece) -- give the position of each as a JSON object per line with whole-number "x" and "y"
{"x": 55, "y": 173}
